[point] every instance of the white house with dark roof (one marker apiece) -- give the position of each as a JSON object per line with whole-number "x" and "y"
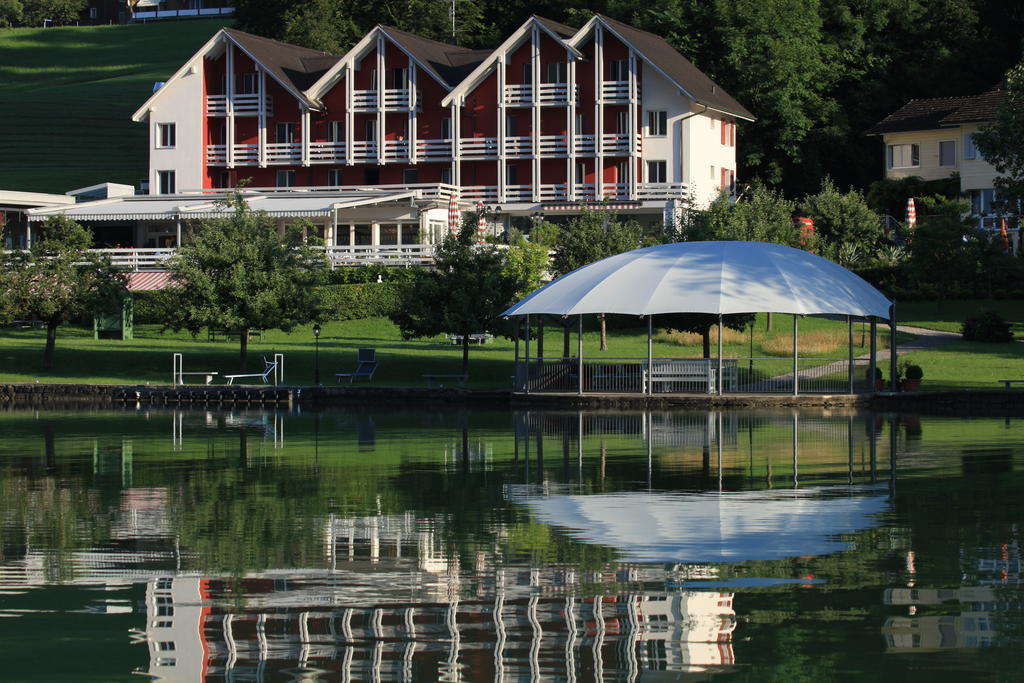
{"x": 934, "y": 139}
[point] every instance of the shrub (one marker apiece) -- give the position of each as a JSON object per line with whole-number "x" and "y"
{"x": 353, "y": 302}
{"x": 988, "y": 326}
{"x": 913, "y": 372}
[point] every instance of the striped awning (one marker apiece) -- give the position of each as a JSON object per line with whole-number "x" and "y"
{"x": 592, "y": 206}
{"x": 144, "y": 282}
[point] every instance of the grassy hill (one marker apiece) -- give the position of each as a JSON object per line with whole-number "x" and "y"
{"x": 67, "y": 96}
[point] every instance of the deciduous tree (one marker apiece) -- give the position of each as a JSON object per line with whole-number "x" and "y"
{"x": 57, "y": 280}
{"x": 239, "y": 273}
{"x": 1002, "y": 142}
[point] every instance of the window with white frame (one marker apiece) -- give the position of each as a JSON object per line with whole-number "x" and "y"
{"x": 657, "y": 123}
{"x": 947, "y": 153}
{"x": 581, "y": 172}
{"x": 557, "y": 72}
{"x": 165, "y": 135}
{"x": 284, "y": 132}
{"x": 334, "y": 177}
{"x": 528, "y": 73}
{"x": 580, "y": 121}
{"x": 622, "y": 122}
{"x": 286, "y": 178}
{"x": 250, "y": 84}
{"x": 728, "y": 133}
{"x": 970, "y": 149}
{"x": 371, "y": 130}
{"x": 511, "y": 126}
{"x": 511, "y": 174}
{"x": 657, "y": 172}
{"x": 446, "y": 175}
{"x": 906, "y": 155}
{"x": 165, "y": 182}
{"x": 618, "y": 70}
{"x": 336, "y": 131}
{"x": 399, "y": 78}
{"x": 446, "y": 128}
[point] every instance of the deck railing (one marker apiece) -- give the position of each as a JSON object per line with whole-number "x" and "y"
{"x": 631, "y": 375}
{"x": 133, "y": 259}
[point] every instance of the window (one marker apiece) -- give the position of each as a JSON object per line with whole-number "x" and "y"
{"x": 970, "y": 150}
{"x": 511, "y": 125}
{"x": 621, "y": 122}
{"x": 410, "y": 176}
{"x": 657, "y": 172}
{"x": 728, "y": 182}
{"x": 334, "y": 177}
{"x": 93, "y": 12}
{"x": 225, "y": 179}
{"x": 165, "y": 133}
{"x": 657, "y": 123}
{"x": 399, "y": 79}
{"x": 511, "y": 174}
{"x": 371, "y": 130}
{"x": 557, "y": 72}
{"x": 712, "y": 172}
{"x": 284, "y": 132}
{"x": 165, "y": 181}
{"x": 728, "y": 133}
{"x": 947, "y": 153}
{"x": 904, "y": 156}
{"x": 622, "y": 172}
{"x": 528, "y": 73}
{"x": 371, "y": 176}
{"x": 166, "y": 646}
{"x": 373, "y": 79}
{"x": 581, "y": 172}
{"x": 580, "y": 120}
{"x": 618, "y": 70}
{"x": 446, "y": 128}
{"x": 250, "y": 84}
{"x": 286, "y": 178}
{"x": 446, "y": 176}
{"x": 981, "y": 202}
{"x": 335, "y": 131}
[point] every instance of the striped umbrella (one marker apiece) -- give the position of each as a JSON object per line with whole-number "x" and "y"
{"x": 481, "y": 223}
{"x": 911, "y": 213}
{"x": 1004, "y": 236}
{"x": 454, "y": 215}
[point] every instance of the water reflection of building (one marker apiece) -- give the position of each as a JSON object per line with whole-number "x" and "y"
{"x": 193, "y": 629}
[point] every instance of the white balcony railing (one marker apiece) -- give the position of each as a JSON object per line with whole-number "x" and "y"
{"x": 246, "y": 154}
{"x": 284, "y": 153}
{"x": 547, "y": 93}
{"x": 585, "y": 144}
{"x": 364, "y": 99}
{"x": 396, "y": 150}
{"x": 216, "y": 154}
{"x": 137, "y": 259}
{"x": 614, "y": 191}
{"x": 585, "y": 191}
{"x": 521, "y": 146}
{"x": 179, "y": 13}
{"x": 434, "y": 150}
{"x": 478, "y": 148}
{"x": 242, "y": 105}
{"x": 481, "y": 193}
{"x": 518, "y": 193}
{"x": 394, "y": 98}
{"x": 386, "y": 254}
{"x": 615, "y": 91}
{"x": 661, "y": 190}
{"x": 553, "y": 145}
{"x": 615, "y": 142}
{"x": 326, "y": 152}
{"x": 364, "y": 150}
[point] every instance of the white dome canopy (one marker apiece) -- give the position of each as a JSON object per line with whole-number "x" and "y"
{"x": 708, "y": 277}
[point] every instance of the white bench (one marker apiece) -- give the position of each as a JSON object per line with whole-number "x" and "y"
{"x": 701, "y": 372}
{"x": 262, "y": 375}
{"x": 476, "y": 338}
{"x": 208, "y": 375}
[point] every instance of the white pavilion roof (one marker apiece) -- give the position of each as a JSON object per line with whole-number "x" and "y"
{"x": 708, "y": 277}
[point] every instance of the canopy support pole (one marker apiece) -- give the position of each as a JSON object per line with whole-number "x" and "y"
{"x": 892, "y": 347}
{"x": 796, "y": 354}
{"x": 650, "y": 355}
{"x": 526, "y": 380}
{"x": 177, "y": 231}
{"x": 579, "y": 359}
{"x": 849, "y": 326}
{"x": 719, "y": 374}
{"x": 873, "y": 372}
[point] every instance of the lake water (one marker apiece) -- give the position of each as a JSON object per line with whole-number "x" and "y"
{"x": 445, "y": 544}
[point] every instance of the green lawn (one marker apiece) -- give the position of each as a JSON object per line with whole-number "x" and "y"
{"x": 67, "y": 95}
{"x": 147, "y": 358}
{"x": 948, "y": 315}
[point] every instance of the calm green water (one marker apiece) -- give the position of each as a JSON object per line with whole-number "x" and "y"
{"x": 478, "y": 546}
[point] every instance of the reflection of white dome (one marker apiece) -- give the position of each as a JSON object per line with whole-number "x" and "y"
{"x": 708, "y": 277}
{"x": 712, "y": 527}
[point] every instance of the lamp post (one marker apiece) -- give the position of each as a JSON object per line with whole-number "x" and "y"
{"x": 316, "y": 354}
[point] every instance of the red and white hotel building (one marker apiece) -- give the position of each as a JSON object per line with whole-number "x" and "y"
{"x": 554, "y": 118}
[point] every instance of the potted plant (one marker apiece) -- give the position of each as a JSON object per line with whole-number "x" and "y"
{"x": 912, "y": 375}
{"x": 879, "y": 383}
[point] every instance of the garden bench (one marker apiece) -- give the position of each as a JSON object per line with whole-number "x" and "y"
{"x": 433, "y": 379}
{"x": 475, "y": 338}
{"x": 697, "y": 371}
{"x": 232, "y": 335}
{"x": 1008, "y": 382}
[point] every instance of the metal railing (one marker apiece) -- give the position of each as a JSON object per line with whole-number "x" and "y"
{"x": 241, "y": 104}
{"x": 148, "y": 259}
{"x": 615, "y": 91}
{"x": 630, "y": 375}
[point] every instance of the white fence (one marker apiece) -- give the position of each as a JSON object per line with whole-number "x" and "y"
{"x": 359, "y": 255}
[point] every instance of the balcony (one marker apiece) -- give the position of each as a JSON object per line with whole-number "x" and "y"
{"x": 395, "y": 99}
{"x": 289, "y": 153}
{"x": 364, "y": 151}
{"x": 659, "y": 191}
{"x": 615, "y": 91}
{"x": 244, "y": 155}
{"x": 242, "y": 105}
{"x": 478, "y": 148}
{"x": 521, "y": 146}
{"x": 612, "y": 143}
{"x": 548, "y": 94}
{"x": 327, "y": 152}
{"x": 434, "y": 150}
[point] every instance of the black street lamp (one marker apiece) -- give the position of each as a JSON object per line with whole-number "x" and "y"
{"x": 316, "y": 354}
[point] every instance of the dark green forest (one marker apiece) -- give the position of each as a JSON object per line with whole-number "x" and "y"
{"x": 816, "y": 73}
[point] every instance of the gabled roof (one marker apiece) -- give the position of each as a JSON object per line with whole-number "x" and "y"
{"x": 294, "y": 67}
{"x": 656, "y": 51}
{"x": 939, "y": 112}
{"x": 559, "y": 32}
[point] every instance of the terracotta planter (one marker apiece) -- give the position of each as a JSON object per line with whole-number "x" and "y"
{"x": 910, "y": 385}
{"x": 879, "y": 385}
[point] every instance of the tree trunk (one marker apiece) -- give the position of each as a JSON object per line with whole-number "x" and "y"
{"x": 768, "y": 324}
{"x": 51, "y": 342}
{"x": 604, "y": 332}
{"x": 465, "y": 353}
{"x": 243, "y": 350}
